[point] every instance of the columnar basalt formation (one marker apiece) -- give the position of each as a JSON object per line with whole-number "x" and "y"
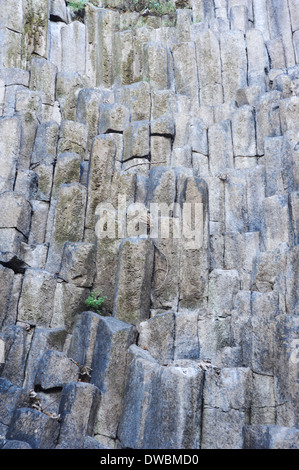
{"x": 105, "y": 116}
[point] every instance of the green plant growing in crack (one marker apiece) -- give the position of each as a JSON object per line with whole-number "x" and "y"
{"x": 77, "y": 5}
{"x": 95, "y": 301}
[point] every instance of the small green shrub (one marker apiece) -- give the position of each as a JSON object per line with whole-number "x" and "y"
{"x": 95, "y": 301}
{"x": 77, "y": 5}
{"x": 154, "y": 7}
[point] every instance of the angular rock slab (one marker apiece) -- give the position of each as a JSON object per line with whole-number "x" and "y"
{"x": 270, "y": 437}
{"x": 166, "y": 417}
{"x": 37, "y": 297}
{"x": 78, "y": 263}
{"x": 78, "y": 407}
{"x": 226, "y": 408}
{"x": 55, "y": 369}
{"x": 34, "y": 427}
{"x": 132, "y": 295}
{"x": 109, "y": 371}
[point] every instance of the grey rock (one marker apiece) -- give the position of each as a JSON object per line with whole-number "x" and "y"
{"x": 78, "y": 263}
{"x": 12, "y": 397}
{"x": 77, "y": 421}
{"x": 161, "y": 385}
{"x": 55, "y": 370}
{"x": 13, "y": 444}
{"x": 83, "y": 338}
{"x": 43, "y": 79}
{"x": 132, "y": 299}
{"x": 270, "y": 437}
{"x": 37, "y": 297}
{"x": 157, "y": 336}
{"x": 109, "y": 371}
{"x": 43, "y": 339}
{"x": 34, "y": 427}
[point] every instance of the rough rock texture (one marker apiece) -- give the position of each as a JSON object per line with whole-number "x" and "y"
{"x": 151, "y": 157}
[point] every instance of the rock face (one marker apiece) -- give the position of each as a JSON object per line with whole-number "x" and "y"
{"x": 152, "y": 159}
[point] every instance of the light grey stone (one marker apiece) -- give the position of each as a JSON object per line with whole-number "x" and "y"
{"x": 226, "y": 407}
{"x": 78, "y": 263}
{"x": 37, "y": 293}
{"x": 234, "y": 63}
{"x": 43, "y": 78}
{"x": 186, "y": 72}
{"x": 10, "y": 135}
{"x": 258, "y": 63}
{"x": 270, "y": 437}
{"x": 220, "y": 147}
{"x": 267, "y": 118}
{"x": 73, "y": 48}
{"x": 15, "y": 212}
{"x": 68, "y": 222}
{"x": 157, "y": 336}
{"x": 243, "y": 132}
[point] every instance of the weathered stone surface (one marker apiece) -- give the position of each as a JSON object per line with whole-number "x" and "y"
{"x": 25, "y": 423}
{"x": 6, "y": 276}
{"x": 11, "y": 45}
{"x": 78, "y": 407}
{"x": 35, "y": 39}
{"x": 136, "y": 140}
{"x": 55, "y": 369}
{"x": 38, "y": 222}
{"x": 13, "y": 444}
{"x": 276, "y": 221}
{"x": 15, "y": 354}
{"x": 58, "y": 10}
{"x": 132, "y": 299}
{"x": 113, "y": 118}
{"x": 15, "y": 212}
{"x": 156, "y": 58}
{"x": 45, "y": 142}
{"x": 83, "y": 339}
{"x": 37, "y": 297}
{"x": 69, "y": 301}
{"x": 43, "y": 78}
{"x": 109, "y": 371}
{"x": 243, "y": 132}
{"x": 73, "y": 48}
{"x": 67, "y": 170}
{"x": 270, "y": 437}
{"x": 157, "y": 336}
{"x": 68, "y": 221}
{"x": 161, "y": 387}
{"x": 101, "y": 167}
{"x": 220, "y": 147}
{"x": 136, "y": 97}
{"x": 267, "y": 118}
{"x": 258, "y": 63}
{"x": 185, "y": 71}
{"x": 43, "y": 339}
{"x": 10, "y": 134}
{"x": 209, "y": 68}
{"x": 289, "y": 113}
{"x": 226, "y": 407}
{"x": 234, "y": 63}
{"x": 73, "y": 137}
{"x": 78, "y": 263}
